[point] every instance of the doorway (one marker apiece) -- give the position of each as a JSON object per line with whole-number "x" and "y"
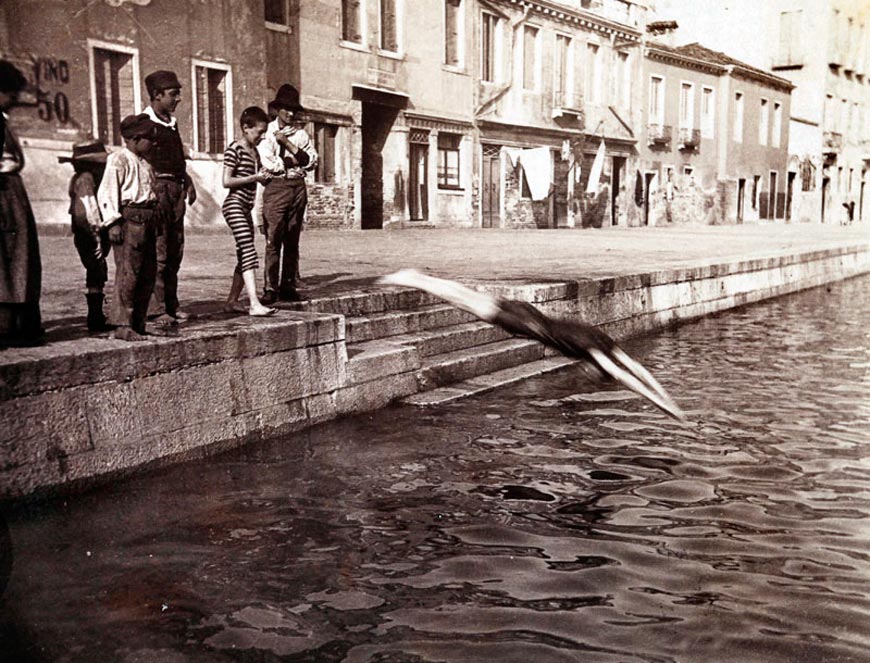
{"x": 418, "y": 175}
{"x": 377, "y": 120}
{"x": 826, "y": 184}
{"x": 490, "y": 185}
{"x": 647, "y": 183}
{"x": 789, "y": 196}
{"x": 771, "y": 204}
{"x": 615, "y": 186}
{"x": 741, "y": 192}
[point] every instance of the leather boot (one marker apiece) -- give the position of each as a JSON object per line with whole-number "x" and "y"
{"x": 96, "y": 318}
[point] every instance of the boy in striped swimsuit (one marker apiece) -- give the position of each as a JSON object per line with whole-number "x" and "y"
{"x": 242, "y": 173}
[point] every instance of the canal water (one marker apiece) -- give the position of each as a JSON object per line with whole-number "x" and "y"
{"x": 548, "y": 522}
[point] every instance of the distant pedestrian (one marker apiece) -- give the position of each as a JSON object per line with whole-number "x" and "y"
{"x": 90, "y": 237}
{"x": 20, "y": 265}
{"x": 173, "y": 187}
{"x": 242, "y": 173}
{"x": 288, "y": 153}
{"x": 129, "y": 207}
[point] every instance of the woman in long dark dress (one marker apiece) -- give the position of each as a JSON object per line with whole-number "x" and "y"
{"x": 20, "y": 266}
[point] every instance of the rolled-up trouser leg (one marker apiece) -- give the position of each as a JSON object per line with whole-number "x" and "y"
{"x": 135, "y": 269}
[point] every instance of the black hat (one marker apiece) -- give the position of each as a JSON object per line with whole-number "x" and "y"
{"x": 137, "y": 126}
{"x": 87, "y": 150}
{"x": 11, "y": 80}
{"x": 287, "y": 97}
{"x": 161, "y": 80}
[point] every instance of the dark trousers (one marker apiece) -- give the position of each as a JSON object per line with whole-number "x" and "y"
{"x": 284, "y": 202}
{"x": 93, "y": 249}
{"x": 170, "y": 245}
{"x": 135, "y": 268}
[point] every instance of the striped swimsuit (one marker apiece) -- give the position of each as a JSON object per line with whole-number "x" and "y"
{"x": 239, "y": 203}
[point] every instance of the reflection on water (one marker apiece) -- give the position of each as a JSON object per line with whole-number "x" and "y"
{"x": 542, "y": 523}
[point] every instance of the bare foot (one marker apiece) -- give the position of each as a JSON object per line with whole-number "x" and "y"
{"x": 127, "y": 334}
{"x": 262, "y": 311}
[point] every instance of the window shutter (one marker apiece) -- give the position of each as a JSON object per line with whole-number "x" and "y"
{"x": 451, "y": 34}
{"x": 389, "y": 39}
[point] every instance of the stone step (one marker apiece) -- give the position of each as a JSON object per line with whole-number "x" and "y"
{"x": 451, "y": 367}
{"x": 367, "y": 302}
{"x": 377, "y": 359}
{"x": 456, "y": 337}
{"x": 395, "y": 323}
{"x": 487, "y": 382}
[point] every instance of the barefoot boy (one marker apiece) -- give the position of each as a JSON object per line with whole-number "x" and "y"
{"x": 129, "y": 209}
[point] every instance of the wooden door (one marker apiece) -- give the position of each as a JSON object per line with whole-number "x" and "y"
{"x": 490, "y": 186}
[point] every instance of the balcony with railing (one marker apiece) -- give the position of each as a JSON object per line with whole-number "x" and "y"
{"x": 690, "y": 139}
{"x": 659, "y": 135}
{"x": 567, "y": 104}
{"x": 833, "y": 141}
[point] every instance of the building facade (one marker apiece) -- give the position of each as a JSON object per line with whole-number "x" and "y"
{"x": 86, "y": 62}
{"x": 823, "y": 48}
{"x": 716, "y": 139}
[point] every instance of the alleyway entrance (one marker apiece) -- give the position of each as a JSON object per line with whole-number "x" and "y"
{"x": 377, "y": 120}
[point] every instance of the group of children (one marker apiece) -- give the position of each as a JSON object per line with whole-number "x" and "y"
{"x": 132, "y": 202}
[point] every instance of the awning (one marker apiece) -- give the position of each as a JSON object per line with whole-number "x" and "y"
{"x": 378, "y": 95}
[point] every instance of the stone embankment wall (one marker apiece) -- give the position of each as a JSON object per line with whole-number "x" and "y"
{"x": 69, "y": 418}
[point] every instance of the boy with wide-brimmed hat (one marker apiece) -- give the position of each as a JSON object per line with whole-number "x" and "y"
{"x": 174, "y": 187}
{"x": 91, "y": 239}
{"x": 128, "y": 205}
{"x": 287, "y": 152}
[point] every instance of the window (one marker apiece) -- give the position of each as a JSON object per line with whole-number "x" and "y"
{"x": 351, "y": 21}
{"x": 389, "y": 26}
{"x": 490, "y": 43}
{"x": 452, "y": 29}
{"x": 763, "y": 122}
{"x": 776, "y": 138}
{"x": 593, "y": 73}
{"x": 738, "y": 117}
{"x": 530, "y": 57}
{"x": 687, "y": 106}
{"x": 324, "y": 143}
{"x": 708, "y": 112}
{"x": 756, "y": 190}
{"x": 790, "y": 52}
{"x": 211, "y": 107}
{"x": 562, "y": 73}
{"x": 115, "y": 90}
{"x": 656, "y": 100}
{"x": 276, "y": 14}
{"x": 689, "y": 172}
{"x": 623, "y": 94}
{"x": 448, "y": 160}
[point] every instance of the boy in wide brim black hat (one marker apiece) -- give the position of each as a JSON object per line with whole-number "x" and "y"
{"x": 288, "y": 153}
{"x": 91, "y": 240}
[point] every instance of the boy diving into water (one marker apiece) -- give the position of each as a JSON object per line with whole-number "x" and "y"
{"x": 572, "y": 338}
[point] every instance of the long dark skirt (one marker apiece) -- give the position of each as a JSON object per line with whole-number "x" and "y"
{"x": 20, "y": 266}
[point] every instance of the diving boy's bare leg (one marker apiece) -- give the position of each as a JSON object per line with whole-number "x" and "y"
{"x": 480, "y": 304}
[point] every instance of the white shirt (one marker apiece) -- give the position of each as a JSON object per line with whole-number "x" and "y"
{"x": 128, "y": 179}
{"x": 270, "y": 151}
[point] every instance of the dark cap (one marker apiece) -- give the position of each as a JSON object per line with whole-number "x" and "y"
{"x": 137, "y": 126}
{"x": 287, "y": 97}
{"x": 87, "y": 150}
{"x": 161, "y": 80}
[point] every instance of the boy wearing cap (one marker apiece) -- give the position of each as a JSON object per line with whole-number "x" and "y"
{"x": 90, "y": 238}
{"x": 128, "y": 206}
{"x": 287, "y": 152}
{"x": 173, "y": 186}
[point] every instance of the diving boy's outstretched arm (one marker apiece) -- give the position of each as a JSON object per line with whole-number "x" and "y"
{"x": 480, "y": 304}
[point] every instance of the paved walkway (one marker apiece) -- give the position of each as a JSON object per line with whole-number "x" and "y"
{"x": 341, "y": 261}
